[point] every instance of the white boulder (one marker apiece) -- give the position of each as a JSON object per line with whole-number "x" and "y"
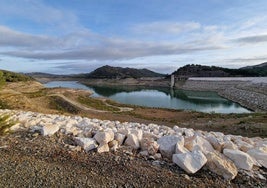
{"x": 104, "y": 137}
{"x": 102, "y": 148}
{"x": 243, "y": 146}
{"x": 86, "y": 143}
{"x": 120, "y": 138}
{"x": 167, "y": 145}
{"x": 138, "y": 133}
{"x": 49, "y": 129}
{"x": 241, "y": 159}
{"x": 194, "y": 142}
{"x": 191, "y": 162}
{"x": 216, "y": 143}
{"x": 259, "y": 155}
{"x": 132, "y": 141}
{"x": 150, "y": 145}
{"x": 222, "y": 166}
{"x": 230, "y": 145}
{"x": 113, "y": 145}
{"x": 179, "y": 148}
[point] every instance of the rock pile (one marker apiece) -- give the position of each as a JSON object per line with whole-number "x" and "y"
{"x": 222, "y": 154}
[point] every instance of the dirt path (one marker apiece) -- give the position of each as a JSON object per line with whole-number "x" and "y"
{"x": 76, "y": 104}
{"x": 79, "y": 105}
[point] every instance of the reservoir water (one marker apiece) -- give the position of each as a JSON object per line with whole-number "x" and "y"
{"x": 160, "y": 97}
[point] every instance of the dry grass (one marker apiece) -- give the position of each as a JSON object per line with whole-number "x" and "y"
{"x": 5, "y": 124}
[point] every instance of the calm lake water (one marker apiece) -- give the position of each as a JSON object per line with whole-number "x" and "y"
{"x": 160, "y": 97}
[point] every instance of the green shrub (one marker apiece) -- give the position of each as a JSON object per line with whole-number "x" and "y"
{"x": 7, "y": 76}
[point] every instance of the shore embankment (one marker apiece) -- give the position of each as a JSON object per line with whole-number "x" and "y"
{"x": 249, "y": 92}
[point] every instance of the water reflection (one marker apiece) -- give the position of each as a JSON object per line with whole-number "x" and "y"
{"x": 160, "y": 97}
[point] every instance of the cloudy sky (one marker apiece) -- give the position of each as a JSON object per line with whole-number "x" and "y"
{"x": 74, "y": 36}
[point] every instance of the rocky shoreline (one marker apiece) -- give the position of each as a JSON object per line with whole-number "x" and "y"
{"x": 248, "y": 92}
{"x": 190, "y": 150}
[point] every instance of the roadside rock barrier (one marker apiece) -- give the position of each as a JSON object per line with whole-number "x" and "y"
{"x": 189, "y": 149}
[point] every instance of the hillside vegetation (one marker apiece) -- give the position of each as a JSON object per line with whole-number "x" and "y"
{"x": 109, "y": 72}
{"x": 7, "y": 76}
{"x": 213, "y": 71}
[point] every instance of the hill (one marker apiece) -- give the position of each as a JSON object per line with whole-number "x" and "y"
{"x": 260, "y": 69}
{"x": 262, "y": 65}
{"x": 109, "y": 72}
{"x": 213, "y": 71}
{"x": 8, "y": 76}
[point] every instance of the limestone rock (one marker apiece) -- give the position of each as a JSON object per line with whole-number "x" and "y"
{"x": 138, "y": 133}
{"x": 149, "y": 145}
{"x": 120, "y": 138}
{"x": 243, "y": 146}
{"x": 259, "y": 155}
{"x": 222, "y": 166}
{"x": 242, "y": 160}
{"x": 167, "y": 145}
{"x": 217, "y": 145}
{"x": 191, "y": 162}
{"x": 132, "y": 141}
{"x": 197, "y": 141}
{"x": 113, "y": 145}
{"x": 102, "y": 148}
{"x": 86, "y": 143}
{"x": 124, "y": 131}
{"x": 49, "y": 129}
{"x": 189, "y": 132}
{"x": 104, "y": 137}
{"x": 179, "y": 148}
{"x": 230, "y": 145}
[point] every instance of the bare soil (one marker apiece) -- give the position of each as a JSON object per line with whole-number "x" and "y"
{"x": 30, "y": 160}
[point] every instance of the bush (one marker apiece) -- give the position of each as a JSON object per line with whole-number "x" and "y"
{"x": 7, "y": 76}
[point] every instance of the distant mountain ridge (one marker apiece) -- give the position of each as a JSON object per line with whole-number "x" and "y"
{"x": 191, "y": 70}
{"x": 45, "y": 75}
{"x": 213, "y": 71}
{"x": 110, "y": 72}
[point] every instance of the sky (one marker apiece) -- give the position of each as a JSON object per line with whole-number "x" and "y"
{"x": 78, "y": 36}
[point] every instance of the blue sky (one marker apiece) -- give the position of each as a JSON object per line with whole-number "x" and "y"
{"x": 74, "y": 36}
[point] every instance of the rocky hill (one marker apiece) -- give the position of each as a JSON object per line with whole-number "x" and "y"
{"x": 213, "y": 71}
{"x": 110, "y": 72}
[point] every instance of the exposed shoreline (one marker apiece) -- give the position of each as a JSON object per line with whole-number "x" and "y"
{"x": 249, "y": 92}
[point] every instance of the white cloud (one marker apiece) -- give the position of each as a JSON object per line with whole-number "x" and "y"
{"x": 11, "y": 38}
{"x": 164, "y": 28}
{"x": 89, "y": 46}
{"x": 39, "y": 13}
